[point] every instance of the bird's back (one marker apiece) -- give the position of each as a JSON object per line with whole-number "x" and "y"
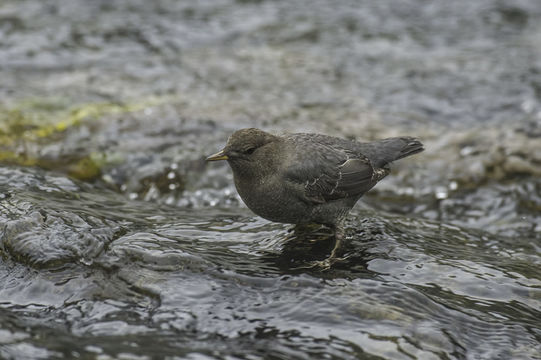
{"x": 331, "y": 169}
{"x": 379, "y": 152}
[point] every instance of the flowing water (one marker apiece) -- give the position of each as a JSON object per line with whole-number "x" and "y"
{"x": 85, "y": 272}
{"x": 117, "y": 241}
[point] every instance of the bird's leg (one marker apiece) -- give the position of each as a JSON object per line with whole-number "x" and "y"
{"x": 339, "y": 235}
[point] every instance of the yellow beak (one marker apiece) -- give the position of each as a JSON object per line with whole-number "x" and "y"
{"x": 220, "y": 155}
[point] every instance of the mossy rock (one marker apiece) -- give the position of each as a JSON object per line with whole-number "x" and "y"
{"x": 28, "y": 125}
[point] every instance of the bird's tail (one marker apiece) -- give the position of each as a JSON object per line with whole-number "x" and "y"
{"x": 411, "y": 146}
{"x": 383, "y": 152}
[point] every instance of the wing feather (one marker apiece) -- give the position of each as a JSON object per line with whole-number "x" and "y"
{"x": 327, "y": 168}
{"x": 337, "y": 176}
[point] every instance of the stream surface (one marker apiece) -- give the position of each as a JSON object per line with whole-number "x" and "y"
{"x": 117, "y": 240}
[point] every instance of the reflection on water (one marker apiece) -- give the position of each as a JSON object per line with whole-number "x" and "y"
{"x": 87, "y": 272}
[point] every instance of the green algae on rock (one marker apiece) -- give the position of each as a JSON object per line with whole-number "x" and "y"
{"x": 29, "y": 126}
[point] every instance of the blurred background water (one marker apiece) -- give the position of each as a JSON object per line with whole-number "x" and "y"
{"x": 117, "y": 241}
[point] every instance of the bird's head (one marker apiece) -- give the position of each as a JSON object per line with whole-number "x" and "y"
{"x": 247, "y": 150}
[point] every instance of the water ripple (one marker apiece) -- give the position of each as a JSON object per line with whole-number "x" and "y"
{"x": 172, "y": 278}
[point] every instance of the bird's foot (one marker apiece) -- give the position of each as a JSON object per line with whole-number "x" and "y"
{"x": 322, "y": 265}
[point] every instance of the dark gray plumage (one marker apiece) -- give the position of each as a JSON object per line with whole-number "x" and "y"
{"x": 308, "y": 178}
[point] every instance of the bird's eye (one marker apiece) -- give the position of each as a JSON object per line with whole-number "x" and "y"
{"x": 250, "y": 151}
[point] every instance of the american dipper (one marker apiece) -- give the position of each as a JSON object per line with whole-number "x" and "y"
{"x": 308, "y": 178}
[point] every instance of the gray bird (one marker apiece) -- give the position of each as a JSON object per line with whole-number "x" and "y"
{"x": 308, "y": 178}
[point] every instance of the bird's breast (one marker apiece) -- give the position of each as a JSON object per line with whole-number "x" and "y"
{"x": 270, "y": 199}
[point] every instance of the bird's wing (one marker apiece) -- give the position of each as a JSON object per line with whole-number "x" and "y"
{"x": 330, "y": 172}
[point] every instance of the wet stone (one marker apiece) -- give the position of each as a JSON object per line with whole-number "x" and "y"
{"x": 51, "y": 238}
